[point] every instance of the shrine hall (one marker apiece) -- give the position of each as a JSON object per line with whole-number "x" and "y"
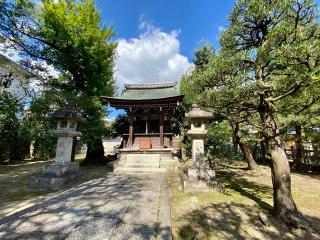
{"x": 150, "y": 108}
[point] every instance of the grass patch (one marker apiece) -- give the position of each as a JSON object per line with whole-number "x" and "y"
{"x": 233, "y": 214}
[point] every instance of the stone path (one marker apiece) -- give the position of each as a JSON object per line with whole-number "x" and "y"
{"x": 119, "y": 206}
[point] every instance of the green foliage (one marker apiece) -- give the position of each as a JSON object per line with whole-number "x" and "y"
{"x": 14, "y": 132}
{"x": 268, "y": 63}
{"x": 41, "y": 108}
{"x": 202, "y": 57}
{"x": 218, "y": 133}
{"x": 177, "y": 121}
{"x": 191, "y": 84}
{"x": 219, "y": 143}
{"x": 120, "y": 125}
{"x": 78, "y": 45}
{"x": 94, "y": 126}
{"x": 69, "y": 36}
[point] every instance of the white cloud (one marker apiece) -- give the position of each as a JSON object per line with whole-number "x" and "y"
{"x": 153, "y": 57}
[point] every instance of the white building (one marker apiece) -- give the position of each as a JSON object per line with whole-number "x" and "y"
{"x": 13, "y": 77}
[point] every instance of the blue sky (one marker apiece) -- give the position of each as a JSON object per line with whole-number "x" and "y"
{"x": 157, "y": 38}
{"x": 197, "y": 20}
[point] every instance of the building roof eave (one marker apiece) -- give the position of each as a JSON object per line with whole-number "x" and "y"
{"x": 118, "y": 102}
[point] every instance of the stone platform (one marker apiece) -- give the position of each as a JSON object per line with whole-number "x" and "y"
{"x": 56, "y": 174}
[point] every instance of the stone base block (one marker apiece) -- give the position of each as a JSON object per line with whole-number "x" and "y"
{"x": 54, "y": 182}
{"x": 206, "y": 174}
{"x": 198, "y": 185}
{"x": 56, "y": 175}
{"x": 60, "y": 169}
{"x": 194, "y": 183}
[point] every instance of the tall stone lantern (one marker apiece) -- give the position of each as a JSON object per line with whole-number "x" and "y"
{"x": 62, "y": 170}
{"x": 197, "y": 118}
{"x": 198, "y": 177}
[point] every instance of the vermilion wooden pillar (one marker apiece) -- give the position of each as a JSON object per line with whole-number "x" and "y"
{"x": 130, "y": 139}
{"x": 161, "y": 130}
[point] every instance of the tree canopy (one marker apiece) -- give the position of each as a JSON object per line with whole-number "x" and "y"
{"x": 70, "y": 36}
{"x": 268, "y": 62}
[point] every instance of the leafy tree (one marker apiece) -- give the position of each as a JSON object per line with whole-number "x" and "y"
{"x": 68, "y": 35}
{"x": 272, "y": 50}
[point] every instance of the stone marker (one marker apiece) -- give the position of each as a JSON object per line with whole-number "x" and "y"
{"x": 56, "y": 174}
{"x": 198, "y": 177}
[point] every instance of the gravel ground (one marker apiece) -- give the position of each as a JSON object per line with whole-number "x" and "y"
{"x": 114, "y": 207}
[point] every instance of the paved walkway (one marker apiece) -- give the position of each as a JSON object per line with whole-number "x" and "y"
{"x": 119, "y": 206}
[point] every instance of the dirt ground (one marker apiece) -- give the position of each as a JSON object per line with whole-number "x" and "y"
{"x": 233, "y": 214}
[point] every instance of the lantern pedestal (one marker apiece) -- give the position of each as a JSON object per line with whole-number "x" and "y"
{"x": 56, "y": 175}
{"x": 63, "y": 170}
{"x": 200, "y": 179}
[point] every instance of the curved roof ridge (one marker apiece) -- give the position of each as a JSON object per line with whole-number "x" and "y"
{"x": 150, "y": 85}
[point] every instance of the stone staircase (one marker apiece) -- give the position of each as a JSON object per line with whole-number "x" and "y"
{"x": 146, "y": 163}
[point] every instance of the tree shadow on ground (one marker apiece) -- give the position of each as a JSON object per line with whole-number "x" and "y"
{"x": 232, "y": 220}
{"x": 95, "y": 207}
{"x": 249, "y": 189}
{"x": 238, "y": 220}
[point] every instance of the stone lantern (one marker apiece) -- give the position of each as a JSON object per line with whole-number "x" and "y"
{"x": 197, "y": 117}
{"x": 62, "y": 170}
{"x": 66, "y": 130}
{"x": 198, "y": 177}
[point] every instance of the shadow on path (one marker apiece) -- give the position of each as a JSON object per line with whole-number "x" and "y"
{"x": 112, "y": 207}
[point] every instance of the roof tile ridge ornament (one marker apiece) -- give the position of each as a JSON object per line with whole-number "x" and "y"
{"x": 150, "y": 85}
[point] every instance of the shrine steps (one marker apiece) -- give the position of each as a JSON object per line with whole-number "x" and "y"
{"x": 146, "y": 162}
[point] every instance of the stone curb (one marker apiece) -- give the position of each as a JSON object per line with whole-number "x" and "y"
{"x": 165, "y": 232}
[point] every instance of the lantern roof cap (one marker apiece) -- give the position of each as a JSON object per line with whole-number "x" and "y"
{"x": 67, "y": 113}
{"x": 197, "y": 113}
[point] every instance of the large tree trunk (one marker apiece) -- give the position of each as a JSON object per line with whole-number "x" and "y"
{"x": 284, "y": 205}
{"x": 238, "y": 139}
{"x": 95, "y": 152}
{"x": 298, "y": 159}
